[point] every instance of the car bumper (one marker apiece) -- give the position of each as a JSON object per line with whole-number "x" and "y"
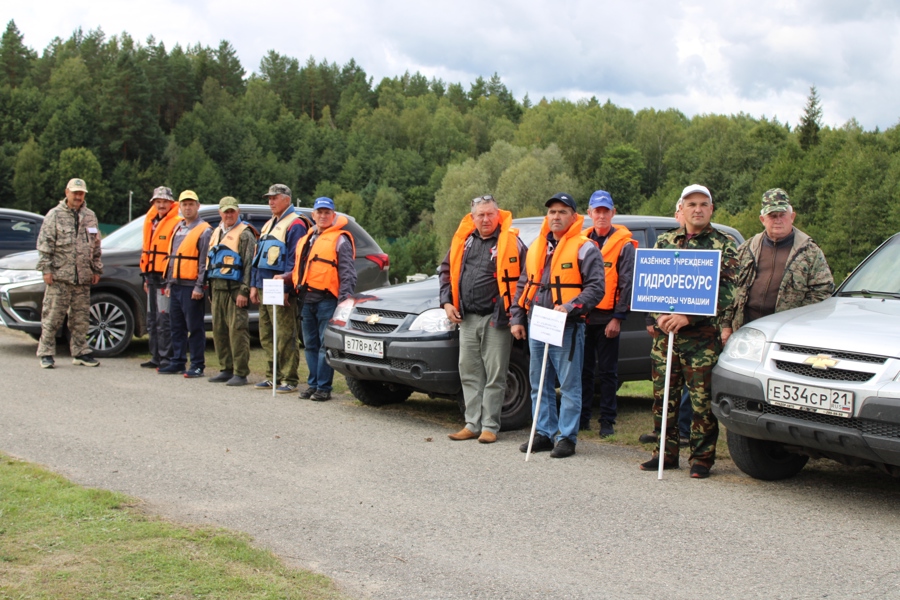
{"x": 20, "y": 306}
{"x": 429, "y": 366}
{"x": 740, "y": 405}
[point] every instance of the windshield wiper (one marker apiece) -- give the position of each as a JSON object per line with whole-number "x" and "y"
{"x": 865, "y": 292}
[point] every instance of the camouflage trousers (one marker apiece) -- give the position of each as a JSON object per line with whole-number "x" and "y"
{"x": 231, "y": 332}
{"x": 288, "y": 352}
{"x": 62, "y": 300}
{"x": 694, "y": 354}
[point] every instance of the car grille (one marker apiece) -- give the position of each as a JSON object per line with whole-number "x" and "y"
{"x": 394, "y": 363}
{"x": 370, "y": 328}
{"x": 358, "y": 320}
{"x": 386, "y": 314}
{"x": 829, "y": 374}
{"x": 868, "y": 358}
{"x": 865, "y": 426}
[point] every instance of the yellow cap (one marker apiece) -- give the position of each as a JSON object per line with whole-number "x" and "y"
{"x": 188, "y": 195}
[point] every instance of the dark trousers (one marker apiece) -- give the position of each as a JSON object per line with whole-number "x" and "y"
{"x": 159, "y": 331}
{"x": 600, "y": 353}
{"x": 186, "y": 317}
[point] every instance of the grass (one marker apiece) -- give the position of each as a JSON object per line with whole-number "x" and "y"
{"x": 59, "y": 540}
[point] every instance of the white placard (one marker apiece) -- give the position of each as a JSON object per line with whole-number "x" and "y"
{"x": 273, "y": 292}
{"x": 548, "y": 325}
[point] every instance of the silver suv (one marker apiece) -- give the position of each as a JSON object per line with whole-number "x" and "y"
{"x": 822, "y": 381}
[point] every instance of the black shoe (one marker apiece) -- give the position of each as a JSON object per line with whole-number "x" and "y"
{"x": 171, "y": 369}
{"x": 653, "y": 464}
{"x": 222, "y": 377}
{"x": 307, "y": 393}
{"x": 237, "y": 380}
{"x": 149, "y": 365}
{"x": 649, "y": 438}
{"x": 321, "y": 396}
{"x": 47, "y": 362}
{"x": 87, "y": 360}
{"x": 541, "y": 444}
{"x": 699, "y": 471}
{"x": 584, "y": 426}
{"x": 564, "y": 447}
{"x": 606, "y": 429}
{"x": 193, "y": 373}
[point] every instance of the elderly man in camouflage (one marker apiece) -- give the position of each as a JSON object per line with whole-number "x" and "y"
{"x": 779, "y": 269}
{"x": 696, "y": 343}
{"x": 69, "y": 249}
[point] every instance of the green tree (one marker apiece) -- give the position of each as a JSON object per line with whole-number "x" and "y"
{"x": 81, "y": 162}
{"x": 810, "y": 122}
{"x": 620, "y": 174}
{"x": 16, "y": 59}
{"x": 387, "y": 217}
{"x": 29, "y": 178}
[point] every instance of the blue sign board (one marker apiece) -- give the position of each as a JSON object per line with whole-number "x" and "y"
{"x": 684, "y": 282}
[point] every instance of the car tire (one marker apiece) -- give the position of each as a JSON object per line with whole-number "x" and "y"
{"x": 516, "y": 412}
{"x": 763, "y": 459}
{"x": 112, "y": 325}
{"x": 377, "y": 393}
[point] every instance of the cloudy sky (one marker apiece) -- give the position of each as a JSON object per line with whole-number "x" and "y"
{"x": 700, "y": 56}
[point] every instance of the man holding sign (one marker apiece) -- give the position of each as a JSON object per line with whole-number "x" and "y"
{"x": 696, "y": 341}
{"x": 563, "y": 272}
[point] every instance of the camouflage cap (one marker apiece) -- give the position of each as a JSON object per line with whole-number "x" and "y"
{"x": 228, "y": 203}
{"x": 162, "y": 193}
{"x": 278, "y": 188}
{"x": 188, "y": 195}
{"x": 76, "y": 185}
{"x": 775, "y": 200}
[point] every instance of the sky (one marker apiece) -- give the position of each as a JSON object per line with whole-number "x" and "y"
{"x": 722, "y": 57}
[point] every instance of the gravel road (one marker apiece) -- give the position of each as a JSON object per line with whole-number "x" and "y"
{"x": 389, "y": 507}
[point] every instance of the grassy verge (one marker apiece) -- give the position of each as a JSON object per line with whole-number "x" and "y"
{"x": 59, "y": 540}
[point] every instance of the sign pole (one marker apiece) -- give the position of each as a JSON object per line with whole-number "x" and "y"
{"x": 274, "y": 349}
{"x": 663, "y": 430}
{"x": 273, "y": 295}
{"x": 537, "y": 408}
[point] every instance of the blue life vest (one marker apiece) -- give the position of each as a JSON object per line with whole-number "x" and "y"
{"x": 271, "y": 249}
{"x": 224, "y": 260}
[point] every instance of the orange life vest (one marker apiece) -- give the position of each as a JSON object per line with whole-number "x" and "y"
{"x": 186, "y": 264}
{"x": 507, "y": 261}
{"x": 320, "y": 271}
{"x": 155, "y": 254}
{"x": 565, "y": 276}
{"x": 620, "y": 236}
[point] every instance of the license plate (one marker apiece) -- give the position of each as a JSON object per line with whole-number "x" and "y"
{"x": 825, "y": 401}
{"x": 364, "y": 347}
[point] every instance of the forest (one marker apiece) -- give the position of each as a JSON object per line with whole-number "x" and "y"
{"x": 405, "y": 155}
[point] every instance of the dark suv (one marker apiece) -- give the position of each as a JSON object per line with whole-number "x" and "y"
{"x": 391, "y": 342}
{"x": 18, "y": 230}
{"x": 118, "y": 302}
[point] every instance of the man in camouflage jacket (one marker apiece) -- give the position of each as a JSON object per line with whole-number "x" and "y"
{"x": 696, "y": 343}
{"x": 69, "y": 249}
{"x": 779, "y": 269}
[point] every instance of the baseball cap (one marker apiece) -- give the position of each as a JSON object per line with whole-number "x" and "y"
{"x": 228, "y": 203}
{"x": 76, "y": 185}
{"x": 564, "y": 198}
{"x": 323, "y": 202}
{"x": 695, "y": 189}
{"x": 188, "y": 195}
{"x": 601, "y": 198}
{"x": 278, "y": 188}
{"x": 775, "y": 200}
{"x": 162, "y": 193}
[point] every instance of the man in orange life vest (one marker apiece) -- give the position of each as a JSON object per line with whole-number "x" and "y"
{"x": 601, "y": 335}
{"x": 478, "y": 279}
{"x": 159, "y": 224}
{"x": 563, "y": 272}
{"x": 185, "y": 278}
{"x": 324, "y": 275}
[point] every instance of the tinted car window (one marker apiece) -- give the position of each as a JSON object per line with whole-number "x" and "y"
{"x": 127, "y": 237}
{"x": 18, "y": 234}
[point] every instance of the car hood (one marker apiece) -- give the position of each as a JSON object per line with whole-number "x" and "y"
{"x": 25, "y": 261}
{"x": 416, "y": 297}
{"x": 863, "y": 325}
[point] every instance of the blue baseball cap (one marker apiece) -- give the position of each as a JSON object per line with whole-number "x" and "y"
{"x": 323, "y": 202}
{"x": 564, "y": 198}
{"x": 601, "y": 198}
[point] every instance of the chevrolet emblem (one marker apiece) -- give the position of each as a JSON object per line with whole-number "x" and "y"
{"x": 372, "y": 319}
{"x": 820, "y": 361}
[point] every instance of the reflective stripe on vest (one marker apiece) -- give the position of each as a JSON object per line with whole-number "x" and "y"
{"x": 620, "y": 236}
{"x": 186, "y": 263}
{"x": 320, "y": 269}
{"x": 155, "y": 249}
{"x": 224, "y": 260}
{"x": 271, "y": 248}
{"x": 565, "y": 277}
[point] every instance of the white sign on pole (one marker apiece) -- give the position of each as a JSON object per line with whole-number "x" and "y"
{"x": 273, "y": 295}
{"x": 548, "y": 325}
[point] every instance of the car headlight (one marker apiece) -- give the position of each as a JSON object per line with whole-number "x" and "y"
{"x": 432, "y": 321}
{"x": 342, "y": 312}
{"x": 18, "y": 276}
{"x": 746, "y": 344}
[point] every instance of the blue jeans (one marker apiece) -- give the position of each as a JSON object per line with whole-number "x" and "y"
{"x": 563, "y": 364}
{"x": 314, "y": 317}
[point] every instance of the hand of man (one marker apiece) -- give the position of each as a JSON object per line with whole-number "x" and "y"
{"x": 241, "y": 301}
{"x": 279, "y": 276}
{"x": 167, "y": 292}
{"x": 95, "y": 279}
{"x": 561, "y": 308}
{"x": 48, "y": 278}
{"x": 726, "y": 333}
{"x": 452, "y": 314}
{"x": 196, "y": 295}
{"x": 254, "y": 295}
{"x": 651, "y": 330}
{"x": 518, "y": 331}
{"x": 613, "y": 328}
{"x": 146, "y": 288}
{"x": 672, "y": 323}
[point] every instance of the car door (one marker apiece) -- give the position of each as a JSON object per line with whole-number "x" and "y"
{"x": 17, "y": 234}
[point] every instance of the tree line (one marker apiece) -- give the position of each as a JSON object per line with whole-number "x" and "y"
{"x": 404, "y": 156}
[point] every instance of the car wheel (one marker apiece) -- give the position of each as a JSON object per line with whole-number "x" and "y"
{"x": 762, "y": 459}
{"x": 516, "y": 412}
{"x": 111, "y": 327}
{"x": 377, "y": 393}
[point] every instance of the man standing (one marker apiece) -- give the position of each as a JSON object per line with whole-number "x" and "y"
{"x": 601, "y": 337}
{"x": 779, "y": 269}
{"x": 228, "y": 269}
{"x": 478, "y": 278}
{"x": 159, "y": 224}
{"x": 696, "y": 343}
{"x": 324, "y": 275}
{"x": 563, "y": 272}
{"x": 275, "y": 256}
{"x": 69, "y": 250}
{"x": 185, "y": 279}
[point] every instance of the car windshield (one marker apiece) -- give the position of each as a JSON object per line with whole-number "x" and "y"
{"x": 127, "y": 237}
{"x": 878, "y": 275}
